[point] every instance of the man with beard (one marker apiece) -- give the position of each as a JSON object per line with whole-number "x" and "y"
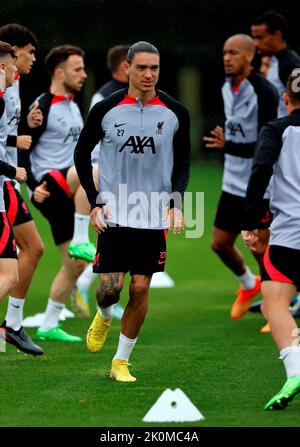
{"x": 249, "y": 102}
{"x": 269, "y": 32}
{"x": 54, "y": 183}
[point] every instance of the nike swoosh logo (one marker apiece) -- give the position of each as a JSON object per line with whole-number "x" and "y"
{"x": 17, "y": 307}
{"x": 161, "y": 262}
{"x": 118, "y": 125}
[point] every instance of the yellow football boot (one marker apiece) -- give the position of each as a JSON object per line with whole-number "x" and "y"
{"x": 119, "y": 371}
{"x": 97, "y": 332}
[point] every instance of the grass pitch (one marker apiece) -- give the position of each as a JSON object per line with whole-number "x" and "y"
{"x": 227, "y": 368}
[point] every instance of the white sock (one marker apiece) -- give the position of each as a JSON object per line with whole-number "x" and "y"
{"x": 81, "y": 228}
{"x": 247, "y": 279}
{"x": 86, "y": 278}
{"x": 291, "y": 360}
{"x": 125, "y": 347}
{"x": 52, "y": 314}
{"x": 107, "y": 312}
{"x": 14, "y": 315}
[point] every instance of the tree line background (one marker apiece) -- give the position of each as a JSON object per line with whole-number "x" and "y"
{"x": 188, "y": 33}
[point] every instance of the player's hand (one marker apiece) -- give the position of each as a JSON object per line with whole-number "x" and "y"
{"x": 35, "y": 116}
{"x": 217, "y": 141}
{"x": 176, "y": 220}
{"x": 98, "y": 217}
{"x": 24, "y": 142}
{"x": 21, "y": 175}
{"x": 250, "y": 238}
{"x": 40, "y": 193}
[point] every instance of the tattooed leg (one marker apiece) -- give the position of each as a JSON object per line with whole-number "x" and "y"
{"x": 109, "y": 289}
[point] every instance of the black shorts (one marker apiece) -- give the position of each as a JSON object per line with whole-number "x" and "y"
{"x": 59, "y": 207}
{"x": 7, "y": 240}
{"x": 138, "y": 251}
{"x": 281, "y": 264}
{"x": 16, "y": 208}
{"x": 230, "y": 211}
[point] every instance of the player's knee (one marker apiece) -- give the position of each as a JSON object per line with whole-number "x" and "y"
{"x": 34, "y": 251}
{"x": 110, "y": 296}
{"x": 38, "y": 250}
{"x": 138, "y": 289}
{"x": 218, "y": 246}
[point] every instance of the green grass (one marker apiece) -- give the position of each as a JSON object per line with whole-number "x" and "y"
{"x": 227, "y": 368}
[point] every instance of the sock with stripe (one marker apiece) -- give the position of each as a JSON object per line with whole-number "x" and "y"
{"x": 14, "y": 315}
{"x": 291, "y": 360}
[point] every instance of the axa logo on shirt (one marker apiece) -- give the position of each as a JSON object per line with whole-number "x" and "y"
{"x": 235, "y": 128}
{"x": 74, "y": 133}
{"x": 139, "y": 144}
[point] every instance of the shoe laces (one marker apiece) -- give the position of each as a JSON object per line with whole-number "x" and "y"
{"x": 122, "y": 363}
{"x": 122, "y": 366}
{"x": 100, "y": 329}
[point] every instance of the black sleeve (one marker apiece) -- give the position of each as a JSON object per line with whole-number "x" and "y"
{"x": 24, "y": 156}
{"x": 243, "y": 150}
{"x": 288, "y": 61}
{"x": 267, "y": 99}
{"x": 11, "y": 140}
{"x": 267, "y": 152}
{"x": 89, "y": 137}
{"x": 24, "y": 161}
{"x": 2, "y": 106}
{"x": 45, "y": 104}
{"x": 182, "y": 150}
{"x": 285, "y": 71}
{"x": 7, "y": 170}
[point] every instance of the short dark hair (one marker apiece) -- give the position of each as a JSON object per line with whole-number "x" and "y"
{"x": 60, "y": 54}
{"x": 17, "y": 35}
{"x": 274, "y": 21}
{"x": 115, "y": 56}
{"x": 6, "y": 49}
{"x": 141, "y": 47}
{"x": 293, "y": 86}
